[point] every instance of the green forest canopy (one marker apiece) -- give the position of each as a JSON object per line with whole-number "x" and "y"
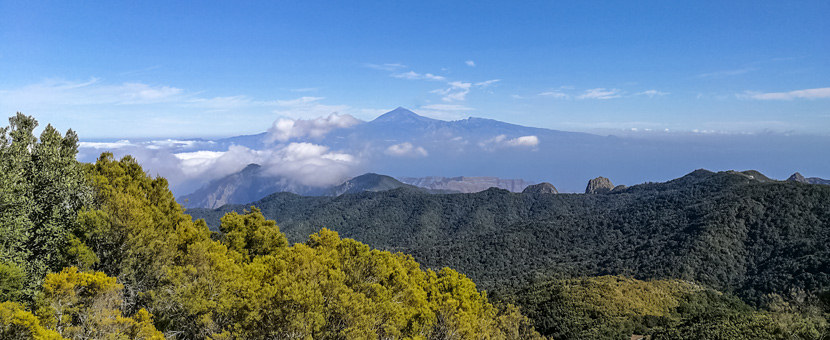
{"x": 103, "y": 251}
{"x": 93, "y": 251}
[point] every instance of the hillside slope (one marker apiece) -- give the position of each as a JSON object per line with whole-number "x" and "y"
{"x": 733, "y": 231}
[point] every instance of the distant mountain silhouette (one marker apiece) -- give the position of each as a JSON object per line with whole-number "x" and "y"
{"x": 480, "y": 147}
{"x": 368, "y": 182}
{"x": 736, "y": 231}
{"x": 797, "y": 177}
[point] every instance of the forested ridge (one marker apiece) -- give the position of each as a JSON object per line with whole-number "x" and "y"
{"x": 733, "y": 231}
{"x": 104, "y": 251}
{"x": 739, "y": 233}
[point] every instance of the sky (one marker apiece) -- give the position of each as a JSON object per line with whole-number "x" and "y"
{"x": 209, "y": 69}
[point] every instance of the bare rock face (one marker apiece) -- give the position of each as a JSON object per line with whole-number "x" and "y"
{"x": 619, "y": 188}
{"x": 541, "y": 188}
{"x": 599, "y": 185}
{"x": 797, "y": 177}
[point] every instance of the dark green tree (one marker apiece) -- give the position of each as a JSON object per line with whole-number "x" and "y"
{"x": 42, "y": 187}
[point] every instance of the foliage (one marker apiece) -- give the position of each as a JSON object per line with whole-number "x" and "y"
{"x": 18, "y": 323}
{"x": 83, "y": 305}
{"x": 249, "y": 283}
{"x": 41, "y": 189}
{"x": 614, "y": 307}
{"x": 736, "y": 232}
{"x": 12, "y": 279}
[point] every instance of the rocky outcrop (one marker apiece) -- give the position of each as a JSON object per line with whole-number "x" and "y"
{"x": 797, "y": 177}
{"x": 619, "y": 188}
{"x": 465, "y": 184}
{"x": 541, "y": 188}
{"x": 599, "y": 185}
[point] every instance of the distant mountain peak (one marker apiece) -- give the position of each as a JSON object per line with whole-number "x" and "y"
{"x": 797, "y": 177}
{"x": 401, "y": 115}
{"x": 252, "y": 167}
{"x": 367, "y": 182}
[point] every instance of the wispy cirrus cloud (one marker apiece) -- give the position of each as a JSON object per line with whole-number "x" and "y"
{"x": 651, "y": 93}
{"x": 817, "y": 93}
{"x": 92, "y": 92}
{"x": 470, "y": 63}
{"x": 458, "y": 90}
{"x": 487, "y": 83}
{"x": 444, "y": 111}
{"x": 600, "y": 93}
{"x": 555, "y": 94}
{"x": 415, "y": 75}
{"x": 386, "y": 67}
{"x": 727, "y": 73}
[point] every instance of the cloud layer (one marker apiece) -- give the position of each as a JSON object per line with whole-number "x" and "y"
{"x": 406, "y": 149}
{"x": 284, "y": 129}
{"x": 818, "y": 93}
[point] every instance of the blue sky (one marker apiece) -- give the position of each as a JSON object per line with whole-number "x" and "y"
{"x": 214, "y": 69}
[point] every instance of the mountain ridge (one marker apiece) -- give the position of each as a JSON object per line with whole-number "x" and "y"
{"x": 730, "y": 230}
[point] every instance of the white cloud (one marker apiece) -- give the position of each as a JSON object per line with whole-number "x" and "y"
{"x": 460, "y": 85}
{"x": 137, "y": 93}
{"x": 600, "y": 93}
{"x": 305, "y": 100}
{"x": 456, "y": 92}
{"x": 166, "y": 144}
{"x": 470, "y": 63}
{"x": 310, "y": 164}
{"x": 487, "y": 83}
{"x": 177, "y": 144}
{"x": 105, "y": 145}
{"x": 284, "y": 129}
{"x": 651, "y": 93}
{"x": 198, "y": 162}
{"x": 555, "y": 94}
{"x": 92, "y": 92}
{"x": 413, "y": 75}
{"x": 823, "y": 92}
{"x": 530, "y": 141}
{"x": 96, "y": 109}
{"x": 304, "y": 163}
{"x": 406, "y": 149}
{"x": 502, "y": 141}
